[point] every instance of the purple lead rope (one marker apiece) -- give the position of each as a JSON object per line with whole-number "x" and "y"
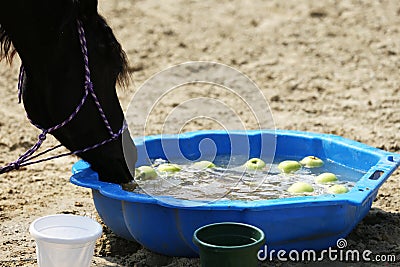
{"x": 27, "y": 158}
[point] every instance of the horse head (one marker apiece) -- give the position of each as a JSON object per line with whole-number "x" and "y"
{"x": 44, "y": 34}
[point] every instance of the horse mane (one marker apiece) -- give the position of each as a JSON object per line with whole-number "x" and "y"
{"x": 115, "y": 47}
{"x": 7, "y": 50}
{"x": 84, "y": 12}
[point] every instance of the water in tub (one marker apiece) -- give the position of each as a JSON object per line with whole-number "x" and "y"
{"x": 230, "y": 179}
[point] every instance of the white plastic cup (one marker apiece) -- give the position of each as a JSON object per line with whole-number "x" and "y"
{"x": 65, "y": 240}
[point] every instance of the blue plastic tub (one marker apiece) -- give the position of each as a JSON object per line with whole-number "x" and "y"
{"x": 299, "y": 223}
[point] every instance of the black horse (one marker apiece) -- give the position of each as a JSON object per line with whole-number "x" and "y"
{"x": 44, "y": 34}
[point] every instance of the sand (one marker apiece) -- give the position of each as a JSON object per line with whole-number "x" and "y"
{"x": 324, "y": 66}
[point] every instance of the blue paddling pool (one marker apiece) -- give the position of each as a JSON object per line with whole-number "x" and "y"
{"x": 166, "y": 225}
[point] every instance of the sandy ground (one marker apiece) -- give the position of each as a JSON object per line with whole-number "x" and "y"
{"x": 324, "y": 66}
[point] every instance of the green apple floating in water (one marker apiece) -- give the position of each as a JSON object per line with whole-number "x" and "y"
{"x": 289, "y": 166}
{"x": 338, "y": 189}
{"x": 146, "y": 172}
{"x": 326, "y": 177}
{"x": 204, "y": 164}
{"x": 169, "y": 167}
{"x": 311, "y": 162}
{"x": 300, "y": 187}
{"x": 255, "y": 164}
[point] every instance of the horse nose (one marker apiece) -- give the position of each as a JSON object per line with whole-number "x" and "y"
{"x": 115, "y": 170}
{"x": 116, "y": 161}
{"x": 123, "y": 167}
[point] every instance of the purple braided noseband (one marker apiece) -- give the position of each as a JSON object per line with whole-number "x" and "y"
{"x": 27, "y": 158}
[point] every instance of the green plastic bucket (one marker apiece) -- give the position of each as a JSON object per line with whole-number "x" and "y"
{"x": 228, "y": 244}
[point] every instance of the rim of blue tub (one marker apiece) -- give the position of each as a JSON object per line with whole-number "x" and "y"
{"x": 363, "y": 190}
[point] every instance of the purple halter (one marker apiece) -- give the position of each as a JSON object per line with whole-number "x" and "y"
{"x": 27, "y": 158}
